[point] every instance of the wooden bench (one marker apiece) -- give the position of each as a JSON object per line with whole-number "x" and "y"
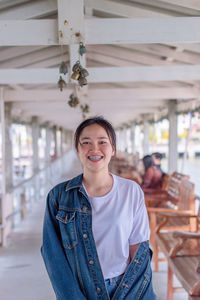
{"x": 184, "y": 204}
{"x": 169, "y": 192}
{"x": 183, "y": 252}
{"x": 182, "y": 249}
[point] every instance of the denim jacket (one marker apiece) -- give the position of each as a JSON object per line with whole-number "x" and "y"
{"x": 70, "y": 254}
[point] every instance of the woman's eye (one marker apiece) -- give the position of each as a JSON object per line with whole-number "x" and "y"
{"x": 102, "y": 142}
{"x": 85, "y": 143}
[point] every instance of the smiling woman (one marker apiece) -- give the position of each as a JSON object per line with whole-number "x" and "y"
{"x": 96, "y": 231}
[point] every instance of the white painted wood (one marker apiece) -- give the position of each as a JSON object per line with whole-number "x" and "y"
{"x": 142, "y": 30}
{"x": 28, "y": 33}
{"x": 43, "y": 57}
{"x": 104, "y": 95}
{"x": 143, "y": 73}
{"x": 133, "y": 144}
{"x": 194, "y": 4}
{"x": 29, "y": 10}
{"x": 173, "y": 136}
{"x": 106, "y": 74}
{"x": 117, "y": 56}
{"x": 35, "y": 138}
{"x": 9, "y": 53}
{"x": 168, "y": 52}
{"x": 30, "y": 76}
{"x": 10, "y": 3}
{"x": 146, "y": 136}
{"x": 103, "y": 31}
{"x": 127, "y": 10}
{"x": 3, "y": 163}
{"x": 70, "y": 21}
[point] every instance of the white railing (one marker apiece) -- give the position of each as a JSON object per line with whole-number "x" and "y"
{"x": 19, "y": 200}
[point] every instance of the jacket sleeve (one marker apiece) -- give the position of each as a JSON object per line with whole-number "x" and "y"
{"x": 63, "y": 281}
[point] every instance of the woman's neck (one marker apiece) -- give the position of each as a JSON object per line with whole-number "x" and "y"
{"x": 98, "y": 184}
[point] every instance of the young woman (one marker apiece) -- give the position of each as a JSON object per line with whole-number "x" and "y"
{"x": 96, "y": 231}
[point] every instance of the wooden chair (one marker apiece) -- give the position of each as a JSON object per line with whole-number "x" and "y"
{"x": 185, "y": 204}
{"x": 184, "y": 259}
{"x": 169, "y": 192}
{"x": 182, "y": 249}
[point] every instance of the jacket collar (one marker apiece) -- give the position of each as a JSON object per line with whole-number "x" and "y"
{"x": 74, "y": 183}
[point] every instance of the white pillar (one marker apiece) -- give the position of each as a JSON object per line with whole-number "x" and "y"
{"x": 55, "y": 140}
{"x": 35, "y": 138}
{"x": 61, "y": 141}
{"x": 173, "y": 142}
{"x": 117, "y": 140}
{"x": 48, "y": 143}
{"x": 133, "y": 146}
{"x": 8, "y": 147}
{"x": 146, "y": 137}
{"x": 3, "y": 180}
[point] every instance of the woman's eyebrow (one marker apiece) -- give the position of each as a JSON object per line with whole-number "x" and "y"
{"x": 102, "y": 137}
{"x": 99, "y": 138}
{"x": 85, "y": 138}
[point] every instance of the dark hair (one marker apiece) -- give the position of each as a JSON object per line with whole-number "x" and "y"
{"x": 157, "y": 155}
{"x": 101, "y": 122}
{"x": 148, "y": 161}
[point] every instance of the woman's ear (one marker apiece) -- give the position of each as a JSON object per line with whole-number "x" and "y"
{"x": 113, "y": 151}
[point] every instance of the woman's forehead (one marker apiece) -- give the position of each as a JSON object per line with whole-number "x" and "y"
{"x": 94, "y": 130}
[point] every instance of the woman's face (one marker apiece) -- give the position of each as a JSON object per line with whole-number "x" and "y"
{"x": 94, "y": 148}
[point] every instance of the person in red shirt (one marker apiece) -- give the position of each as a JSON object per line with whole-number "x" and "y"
{"x": 152, "y": 178}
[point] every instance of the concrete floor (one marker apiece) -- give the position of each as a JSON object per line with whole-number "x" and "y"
{"x": 22, "y": 272}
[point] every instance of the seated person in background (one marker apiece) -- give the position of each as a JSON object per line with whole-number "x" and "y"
{"x": 152, "y": 178}
{"x": 157, "y": 161}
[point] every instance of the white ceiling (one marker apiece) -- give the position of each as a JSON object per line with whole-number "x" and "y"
{"x": 140, "y": 54}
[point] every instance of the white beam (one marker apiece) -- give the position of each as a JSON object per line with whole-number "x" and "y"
{"x": 103, "y": 95}
{"x": 29, "y": 10}
{"x": 127, "y": 10}
{"x": 106, "y": 74}
{"x": 142, "y": 30}
{"x": 36, "y": 58}
{"x": 103, "y": 31}
{"x": 121, "y": 54}
{"x": 144, "y": 74}
{"x": 9, "y": 53}
{"x": 30, "y": 76}
{"x": 28, "y": 33}
{"x": 192, "y": 4}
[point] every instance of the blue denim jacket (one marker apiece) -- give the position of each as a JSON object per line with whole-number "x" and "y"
{"x": 70, "y": 254}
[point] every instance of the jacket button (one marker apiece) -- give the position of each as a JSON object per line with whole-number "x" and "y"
{"x": 84, "y": 208}
{"x": 91, "y": 262}
{"x": 98, "y": 290}
{"x": 85, "y": 236}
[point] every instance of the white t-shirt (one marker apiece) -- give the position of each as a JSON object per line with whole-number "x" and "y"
{"x": 119, "y": 219}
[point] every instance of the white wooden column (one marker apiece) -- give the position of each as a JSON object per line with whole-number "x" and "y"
{"x": 48, "y": 143}
{"x": 55, "y": 140}
{"x": 133, "y": 146}
{"x": 35, "y": 138}
{"x": 3, "y": 164}
{"x": 146, "y": 137}
{"x": 61, "y": 140}
{"x": 8, "y": 147}
{"x": 173, "y": 141}
{"x": 71, "y": 27}
{"x": 117, "y": 139}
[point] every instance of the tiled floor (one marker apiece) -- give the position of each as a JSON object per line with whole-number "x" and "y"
{"x": 22, "y": 272}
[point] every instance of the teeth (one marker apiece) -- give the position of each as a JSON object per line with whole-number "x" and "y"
{"x": 95, "y": 157}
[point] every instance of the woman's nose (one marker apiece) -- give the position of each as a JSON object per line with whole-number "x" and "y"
{"x": 94, "y": 146}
